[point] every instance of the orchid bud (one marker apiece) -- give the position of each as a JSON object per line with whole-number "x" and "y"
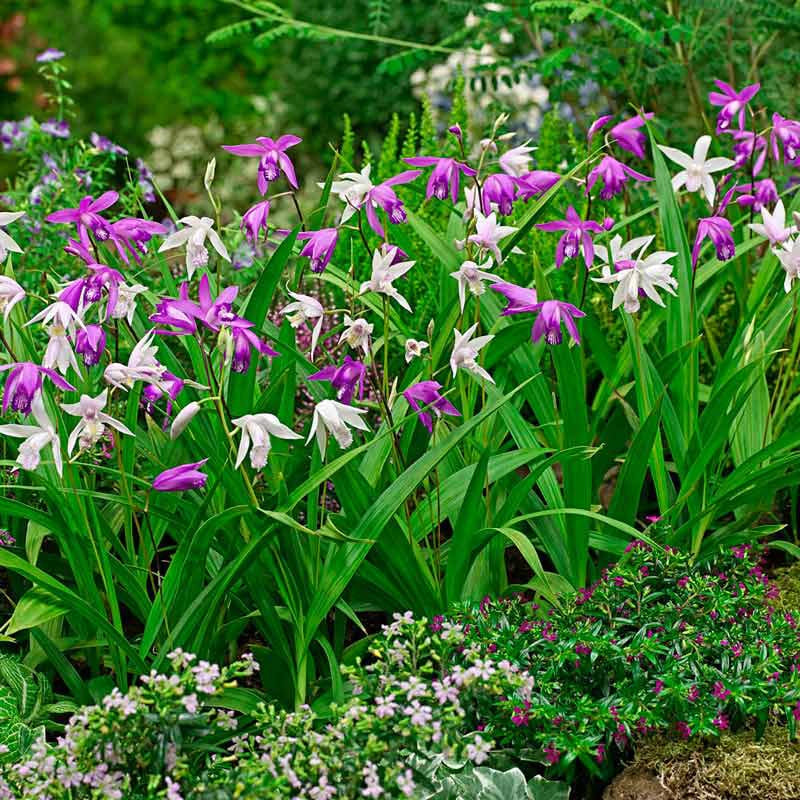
{"x": 608, "y": 223}
{"x": 211, "y": 169}
{"x": 183, "y": 418}
{"x": 430, "y": 328}
{"x": 456, "y": 131}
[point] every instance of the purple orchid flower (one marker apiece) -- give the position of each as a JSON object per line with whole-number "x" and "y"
{"x": 151, "y": 394}
{"x": 628, "y": 136}
{"x": 383, "y": 196}
{"x": 320, "y": 247}
{"x": 733, "y": 103}
{"x": 500, "y": 189}
{"x": 445, "y": 176}
{"x": 597, "y": 126}
{"x": 577, "y": 236}
{"x": 244, "y": 342}
{"x": 180, "y": 313}
{"x": 87, "y": 217}
{"x": 520, "y": 299}
{"x": 103, "y": 278}
{"x": 254, "y": 220}
{"x": 614, "y": 174}
{"x": 90, "y": 342}
{"x": 24, "y": 382}
{"x": 718, "y": 230}
{"x": 51, "y": 54}
{"x": 535, "y": 183}
{"x": 344, "y": 378}
{"x": 759, "y": 194}
{"x": 426, "y": 393}
{"x": 272, "y": 158}
{"x": 181, "y": 478}
{"x": 76, "y": 248}
{"x": 744, "y": 144}
{"x": 135, "y": 233}
{"x": 59, "y": 128}
{"x": 548, "y": 323}
{"x": 785, "y": 134}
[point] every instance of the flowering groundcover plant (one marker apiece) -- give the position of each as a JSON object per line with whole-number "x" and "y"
{"x": 199, "y": 453}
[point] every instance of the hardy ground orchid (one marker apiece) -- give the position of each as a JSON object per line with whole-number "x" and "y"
{"x": 357, "y": 333}
{"x": 425, "y": 395}
{"x": 789, "y": 256}
{"x": 551, "y": 314}
{"x": 142, "y": 366}
{"x": 488, "y": 234}
{"x": 784, "y": 138}
{"x": 535, "y": 183}
{"x": 645, "y": 274}
{"x": 470, "y": 276}
{"x": 93, "y": 421}
{"x": 520, "y": 299}
{"x": 413, "y": 349}
{"x": 36, "y": 438}
{"x": 697, "y": 168}
{"x": 629, "y": 136}
{"x": 384, "y": 197}
{"x": 733, "y": 103}
{"x": 577, "y": 236}
{"x": 254, "y": 220}
{"x": 305, "y": 309}
{"x": 351, "y": 188}
{"x": 272, "y": 157}
{"x": 24, "y": 385}
{"x": 613, "y": 174}
{"x": 10, "y": 294}
{"x": 256, "y": 430}
{"x": 193, "y": 235}
{"x": 344, "y": 378}
{"x": 719, "y": 230}
{"x": 498, "y": 193}
{"x": 773, "y": 226}
{"x": 335, "y": 418}
{"x": 86, "y": 217}
{"x": 466, "y": 350}
{"x": 7, "y": 244}
{"x": 320, "y": 247}
{"x": 385, "y": 270}
{"x": 516, "y": 161}
{"x": 759, "y": 194}
{"x": 181, "y": 478}
{"x": 445, "y": 176}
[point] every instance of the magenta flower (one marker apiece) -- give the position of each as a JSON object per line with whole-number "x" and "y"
{"x": 151, "y": 393}
{"x": 51, "y": 54}
{"x": 426, "y": 394}
{"x": 181, "y": 478}
{"x": 720, "y": 231}
{"x": 344, "y": 379}
{"x": 613, "y": 174}
{"x": 90, "y": 342}
{"x": 254, "y": 220}
{"x": 548, "y": 324}
{"x": 628, "y": 136}
{"x": 244, "y": 343}
{"x": 733, "y": 103}
{"x": 135, "y": 233}
{"x": 501, "y": 190}
{"x": 719, "y": 691}
{"x": 759, "y": 194}
{"x": 536, "y": 183}
{"x": 76, "y": 248}
{"x": 722, "y": 722}
{"x": 180, "y": 313}
{"x": 577, "y": 236}
{"x": 272, "y": 158}
{"x": 520, "y": 300}
{"x": 744, "y": 142}
{"x": 320, "y": 247}
{"x": 445, "y": 176}
{"x": 87, "y": 217}
{"x": 597, "y": 126}
{"x": 383, "y": 196}
{"x": 786, "y": 135}
{"x": 102, "y": 279}
{"x": 25, "y": 382}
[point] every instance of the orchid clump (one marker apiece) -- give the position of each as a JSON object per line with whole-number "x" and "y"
{"x": 209, "y": 455}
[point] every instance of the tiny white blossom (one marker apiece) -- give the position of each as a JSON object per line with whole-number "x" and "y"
{"x": 384, "y": 273}
{"x": 471, "y": 276}
{"x": 789, "y": 256}
{"x": 414, "y": 349}
{"x": 36, "y": 437}
{"x": 303, "y": 309}
{"x": 352, "y": 188}
{"x": 10, "y": 294}
{"x": 697, "y": 168}
{"x": 193, "y": 235}
{"x": 333, "y": 417}
{"x": 646, "y": 274}
{"x": 489, "y": 234}
{"x": 357, "y": 333}
{"x": 92, "y": 422}
{"x": 256, "y": 430}
{"x": 7, "y": 244}
{"x": 465, "y": 351}
{"x": 516, "y": 161}
{"x": 773, "y": 225}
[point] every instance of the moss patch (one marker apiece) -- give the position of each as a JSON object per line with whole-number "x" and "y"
{"x": 736, "y": 768}
{"x": 788, "y": 581}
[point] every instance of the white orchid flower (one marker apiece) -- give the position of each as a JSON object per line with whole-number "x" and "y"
{"x": 331, "y": 416}
{"x": 36, "y": 437}
{"x": 7, "y": 244}
{"x": 384, "y": 273}
{"x": 305, "y": 308}
{"x": 92, "y": 422}
{"x": 193, "y": 235}
{"x": 256, "y": 430}
{"x": 471, "y": 276}
{"x": 465, "y": 351}
{"x": 697, "y": 168}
